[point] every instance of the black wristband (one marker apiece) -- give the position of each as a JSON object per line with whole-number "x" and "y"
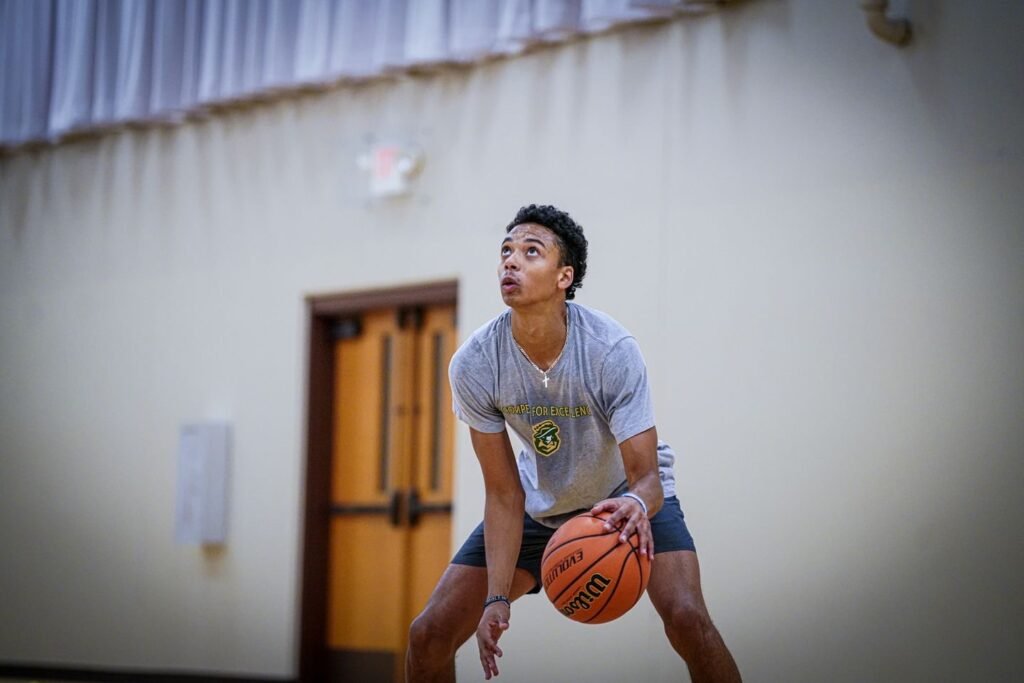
{"x": 496, "y": 598}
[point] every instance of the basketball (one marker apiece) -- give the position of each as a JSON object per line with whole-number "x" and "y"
{"x": 590, "y": 576}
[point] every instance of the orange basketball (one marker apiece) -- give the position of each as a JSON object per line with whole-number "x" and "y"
{"x": 590, "y": 576}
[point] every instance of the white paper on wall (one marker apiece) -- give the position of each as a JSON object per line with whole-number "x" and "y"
{"x": 202, "y": 486}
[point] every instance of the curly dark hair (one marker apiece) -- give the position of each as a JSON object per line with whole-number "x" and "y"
{"x": 571, "y": 243}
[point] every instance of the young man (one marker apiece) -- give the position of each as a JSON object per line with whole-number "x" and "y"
{"x": 572, "y": 384}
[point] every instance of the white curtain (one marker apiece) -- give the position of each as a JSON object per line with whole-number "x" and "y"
{"x": 68, "y": 65}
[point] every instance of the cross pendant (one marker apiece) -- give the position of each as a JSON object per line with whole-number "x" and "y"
{"x": 545, "y": 380}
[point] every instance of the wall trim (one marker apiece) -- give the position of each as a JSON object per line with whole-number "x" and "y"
{"x": 50, "y": 672}
{"x": 436, "y": 292}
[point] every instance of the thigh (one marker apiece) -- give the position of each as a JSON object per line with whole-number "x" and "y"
{"x": 465, "y": 587}
{"x": 457, "y": 602}
{"x": 675, "y": 582}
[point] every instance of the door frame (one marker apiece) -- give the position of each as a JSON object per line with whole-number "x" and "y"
{"x": 321, "y": 311}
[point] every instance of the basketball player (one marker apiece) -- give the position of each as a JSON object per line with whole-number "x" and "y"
{"x": 571, "y": 383}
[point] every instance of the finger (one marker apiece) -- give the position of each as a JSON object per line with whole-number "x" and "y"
{"x": 489, "y": 644}
{"x": 608, "y": 504}
{"x": 495, "y": 648}
{"x": 492, "y": 638}
{"x": 646, "y": 540}
{"x": 496, "y": 628}
{"x": 489, "y": 662}
{"x": 488, "y": 666}
{"x": 631, "y": 523}
{"x": 618, "y": 513}
{"x": 625, "y": 519}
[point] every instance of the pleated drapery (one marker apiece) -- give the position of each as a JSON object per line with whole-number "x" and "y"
{"x": 72, "y": 65}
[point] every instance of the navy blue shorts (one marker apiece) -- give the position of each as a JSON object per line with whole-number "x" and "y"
{"x": 668, "y": 527}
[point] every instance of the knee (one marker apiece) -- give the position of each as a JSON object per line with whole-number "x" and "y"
{"x": 429, "y": 639}
{"x": 687, "y": 622}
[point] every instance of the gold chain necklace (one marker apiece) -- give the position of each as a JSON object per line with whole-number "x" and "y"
{"x": 557, "y": 358}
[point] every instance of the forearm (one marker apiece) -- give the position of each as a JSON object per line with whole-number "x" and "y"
{"x": 640, "y": 457}
{"x": 503, "y": 507}
{"x": 503, "y": 534}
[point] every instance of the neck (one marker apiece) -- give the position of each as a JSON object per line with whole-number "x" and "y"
{"x": 541, "y": 333}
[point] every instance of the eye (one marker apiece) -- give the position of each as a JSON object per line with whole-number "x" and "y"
{"x": 506, "y": 250}
{"x": 532, "y": 250}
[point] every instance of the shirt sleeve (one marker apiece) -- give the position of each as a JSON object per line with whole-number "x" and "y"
{"x": 471, "y": 378}
{"x": 625, "y": 390}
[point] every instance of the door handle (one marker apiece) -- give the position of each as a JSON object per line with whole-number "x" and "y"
{"x": 392, "y": 509}
{"x": 395, "y": 508}
{"x": 416, "y": 508}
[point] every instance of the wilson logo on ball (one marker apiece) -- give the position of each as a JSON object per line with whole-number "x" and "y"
{"x": 588, "y": 594}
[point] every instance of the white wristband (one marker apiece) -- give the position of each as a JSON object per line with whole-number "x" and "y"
{"x": 630, "y": 494}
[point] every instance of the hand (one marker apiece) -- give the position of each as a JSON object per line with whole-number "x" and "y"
{"x": 627, "y": 510}
{"x": 493, "y": 623}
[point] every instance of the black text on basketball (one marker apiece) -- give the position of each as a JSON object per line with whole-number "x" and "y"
{"x": 569, "y": 561}
{"x": 590, "y": 592}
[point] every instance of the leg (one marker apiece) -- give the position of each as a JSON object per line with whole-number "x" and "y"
{"x": 674, "y": 590}
{"x": 449, "y": 619}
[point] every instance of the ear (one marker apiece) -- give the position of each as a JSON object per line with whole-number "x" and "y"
{"x": 565, "y": 276}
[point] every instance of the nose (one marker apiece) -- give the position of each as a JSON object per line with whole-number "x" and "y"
{"x": 510, "y": 262}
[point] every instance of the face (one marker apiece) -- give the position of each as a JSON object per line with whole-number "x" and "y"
{"x": 529, "y": 269}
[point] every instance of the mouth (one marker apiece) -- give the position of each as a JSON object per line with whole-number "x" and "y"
{"x": 509, "y": 284}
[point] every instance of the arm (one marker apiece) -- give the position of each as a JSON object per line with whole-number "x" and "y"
{"x": 503, "y": 533}
{"x": 640, "y": 459}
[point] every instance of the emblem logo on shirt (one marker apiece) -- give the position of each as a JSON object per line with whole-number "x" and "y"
{"x": 545, "y": 437}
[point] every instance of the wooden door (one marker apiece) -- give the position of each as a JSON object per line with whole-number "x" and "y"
{"x": 391, "y": 471}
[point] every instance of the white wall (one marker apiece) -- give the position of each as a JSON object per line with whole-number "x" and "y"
{"x": 816, "y": 237}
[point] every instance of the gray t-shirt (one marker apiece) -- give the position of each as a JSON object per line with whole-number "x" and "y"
{"x": 597, "y": 397}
